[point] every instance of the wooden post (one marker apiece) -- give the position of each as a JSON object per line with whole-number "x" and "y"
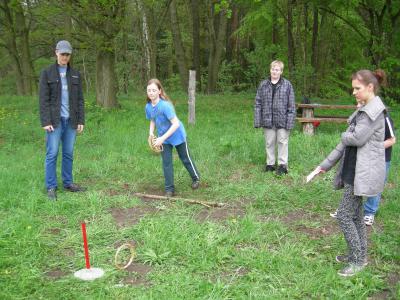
{"x": 308, "y": 128}
{"x": 192, "y": 97}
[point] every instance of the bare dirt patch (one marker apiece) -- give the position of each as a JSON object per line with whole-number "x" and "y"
{"x": 56, "y": 274}
{"x": 131, "y": 216}
{"x": 230, "y": 275}
{"x": 318, "y": 232}
{"x": 238, "y": 175}
{"x": 55, "y": 231}
{"x": 299, "y": 215}
{"x": 220, "y": 214}
{"x": 295, "y": 219}
{"x": 114, "y": 192}
{"x": 389, "y": 293}
{"x": 58, "y": 219}
{"x": 69, "y": 252}
{"x": 151, "y": 190}
{"x": 137, "y": 274}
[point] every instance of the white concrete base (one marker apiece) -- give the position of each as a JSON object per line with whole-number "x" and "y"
{"x": 89, "y": 274}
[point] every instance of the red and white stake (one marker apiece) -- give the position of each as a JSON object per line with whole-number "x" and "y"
{"x": 88, "y": 273}
{"x": 85, "y": 245}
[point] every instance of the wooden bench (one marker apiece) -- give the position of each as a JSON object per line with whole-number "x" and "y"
{"x": 308, "y": 116}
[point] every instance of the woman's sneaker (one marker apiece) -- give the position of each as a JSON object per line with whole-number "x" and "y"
{"x": 345, "y": 259}
{"x": 369, "y": 220}
{"x": 350, "y": 270}
{"x": 342, "y": 259}
{"x": 334, "y": 214}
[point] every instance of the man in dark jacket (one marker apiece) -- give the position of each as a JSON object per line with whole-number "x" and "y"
{"x": 274, "y": 110}
{"x": 62, "y": 116}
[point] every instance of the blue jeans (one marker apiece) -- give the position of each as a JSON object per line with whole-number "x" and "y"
{"x": 372, "y": 203}
{"x": 168, "y": 167}
{"x": 65, "y": 134}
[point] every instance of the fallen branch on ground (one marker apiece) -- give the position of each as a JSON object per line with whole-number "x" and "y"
{"x": 191, "y": 201}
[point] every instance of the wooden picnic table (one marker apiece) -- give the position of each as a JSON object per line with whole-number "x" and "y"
{"x": 308, "y": 117}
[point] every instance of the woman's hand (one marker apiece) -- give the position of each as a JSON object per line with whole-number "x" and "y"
{"x": 319, "y": 170}
{"x": 314, "y": 173}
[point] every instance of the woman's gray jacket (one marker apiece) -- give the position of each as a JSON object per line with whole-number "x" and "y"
{"x": 367, "y": 135}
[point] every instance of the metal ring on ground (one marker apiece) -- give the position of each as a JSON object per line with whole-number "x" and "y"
{"x": 133, "y": 255}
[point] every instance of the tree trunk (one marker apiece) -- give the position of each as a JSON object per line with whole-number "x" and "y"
{"x": 217, "y": 41}
{"x": 305, "y": 50}
{"x": 25, "y": 54}
{"x": 178, "y": 46}
{"x": 16, "y": 37}
{"x": 232, "y": 41}
{"x": 148, "y": 42}
{"x": 106, "y": 79}
{"x": 323, "y": 46}
{"x": 275, "y": 29}
{"x": 124, "y": 57}
{"x": 192, "y": 97}
{"x": 291, "y": 52}
{"x": 314, "y": 49}
{"x": 196, "y": 39}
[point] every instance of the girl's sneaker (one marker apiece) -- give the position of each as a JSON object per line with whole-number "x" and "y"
{"x": 369, "y": 220}
{"x": 334, "y": 214}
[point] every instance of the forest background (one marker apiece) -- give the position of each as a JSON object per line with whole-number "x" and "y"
{"x": 119, "y": 45}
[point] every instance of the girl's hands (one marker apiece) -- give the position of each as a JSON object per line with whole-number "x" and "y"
{"x": 158, "y": 142}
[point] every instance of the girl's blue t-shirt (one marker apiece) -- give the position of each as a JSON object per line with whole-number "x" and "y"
{"x": 161, "y": 114}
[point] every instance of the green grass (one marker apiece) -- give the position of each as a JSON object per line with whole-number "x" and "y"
{"x": 277, "y": 241}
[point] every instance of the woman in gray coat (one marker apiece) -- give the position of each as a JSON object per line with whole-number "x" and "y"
{"x": 361, "y": 171}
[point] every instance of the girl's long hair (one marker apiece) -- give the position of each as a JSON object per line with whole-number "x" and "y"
{"x": 163, "y": 94}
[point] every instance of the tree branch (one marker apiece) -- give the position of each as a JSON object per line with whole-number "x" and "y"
{"x": 344, "y": 20}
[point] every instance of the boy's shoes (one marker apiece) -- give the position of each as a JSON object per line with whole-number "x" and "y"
{"x": 169, "y": 194}
{"x": 52, "y": 194}
{"x": 350, "y": 270}
{"x": 334, "y": 214}
{"x": 282, "y": 170}
{"x": 195, "y": 184}
{"x": 74, "y": 188}
{"x": 369, "y": 220}
{"x": 270, "y": 168}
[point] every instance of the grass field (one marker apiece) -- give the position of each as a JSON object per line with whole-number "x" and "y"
{"x": 274, "y": 239}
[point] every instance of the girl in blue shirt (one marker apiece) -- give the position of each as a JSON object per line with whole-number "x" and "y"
{"x": 171, "y": 133}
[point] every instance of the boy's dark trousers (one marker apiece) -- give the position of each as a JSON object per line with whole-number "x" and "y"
{"x": 168, "y": 166}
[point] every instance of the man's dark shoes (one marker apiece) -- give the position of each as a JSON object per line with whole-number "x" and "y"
{"x": 270, "y": 168}
{"x": 52, "y": 194}
{"x": 282, "y": 170}
{"x": 195, "y": 184}
{"x": 75, "y": 188}
{"x": 169, "y": 194}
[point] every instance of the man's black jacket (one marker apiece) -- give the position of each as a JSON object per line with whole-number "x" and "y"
{"x": 50, "y": 97}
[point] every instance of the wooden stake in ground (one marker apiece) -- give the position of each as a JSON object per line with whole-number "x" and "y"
{"x": 192, "y": 97}
{"x": 191, "y": 201}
